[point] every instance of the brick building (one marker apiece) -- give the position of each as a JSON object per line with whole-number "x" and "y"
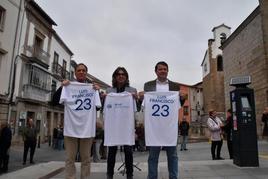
{"x": 245, "y": 52}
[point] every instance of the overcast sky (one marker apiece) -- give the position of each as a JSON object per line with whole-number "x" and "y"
{"x": 136, "y": 34}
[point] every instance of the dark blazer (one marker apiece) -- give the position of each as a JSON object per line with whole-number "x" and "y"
{"x": 5, "y": 139}
{"x": 173, "y": 86}
{"x": 56, "y": 96}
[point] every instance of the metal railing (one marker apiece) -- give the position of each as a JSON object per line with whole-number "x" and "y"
{"x": 38, "y": 53}
{"x": 58, "y": 70}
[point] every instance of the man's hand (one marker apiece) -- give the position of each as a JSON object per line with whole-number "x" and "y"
{"x": 135, "y": 95}
{"x": 96, "y": 86}
{"x": 141, "y": 95}
{"x": 65, "y": 83}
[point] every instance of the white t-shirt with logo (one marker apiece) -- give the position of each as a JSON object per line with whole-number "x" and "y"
{"x": 80, "y": 102}
{"x": 119, "y": 125}
{"x": 161, "y": 118}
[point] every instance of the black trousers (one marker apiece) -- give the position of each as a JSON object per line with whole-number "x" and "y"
{"x": 112, "y": 150}
{"x": 4, "y": 158}
{"x": 216, "y": 145}
{"x": 230, "y": 148}
{"x": 29, "y": 144}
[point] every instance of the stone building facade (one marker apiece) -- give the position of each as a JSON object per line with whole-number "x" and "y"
{"x": 212, "y": 69}
{"x": 245, "y": 53}
{"x": 33, "y": 62}
{"x": 10, "y": 19}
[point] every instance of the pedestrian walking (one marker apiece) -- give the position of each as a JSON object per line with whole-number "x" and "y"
{"x": 60, "y": 138}
{"x": 228, "y": 128}
{"x": 30, "y": 139}
{"x": 183, "y": 129}
{"x": 55, "y": 138}
{"x": 265, "y": 122}
{"x": 97, "y": 142}
{"x": 5, "y": 143}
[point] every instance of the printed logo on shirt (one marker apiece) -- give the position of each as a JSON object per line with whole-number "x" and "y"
{"x": 117, "y": 106}
{"x": 109, "y": 106}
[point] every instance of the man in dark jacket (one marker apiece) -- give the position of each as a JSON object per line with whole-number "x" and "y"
{"x": 30, "y": 139}
{"x": 183, "y": 129}
{"x": 162, "y": 83}
{"x": 228, "y": 130}
{"x": 5, "y": 143}
{"x": 265, "y": 122}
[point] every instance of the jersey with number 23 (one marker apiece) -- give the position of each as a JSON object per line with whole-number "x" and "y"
{"x": 80, "y": 102}
{"x": 161, "y": 118}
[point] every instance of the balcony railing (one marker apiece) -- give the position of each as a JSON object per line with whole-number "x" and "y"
{"x": 38, "y": 53}
{"x": 35, "y": 93}
{"x": 60, "y": 72}
{"x": 36, "y": 83}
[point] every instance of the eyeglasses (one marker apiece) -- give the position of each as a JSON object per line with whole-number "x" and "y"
{"x": 119, "y": 74}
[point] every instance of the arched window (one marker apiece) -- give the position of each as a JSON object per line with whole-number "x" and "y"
{"x": 223, "y": 37}
{"x": 219, "y": 63}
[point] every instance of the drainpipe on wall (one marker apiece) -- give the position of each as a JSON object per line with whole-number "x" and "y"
{"x": 15, "y": 56}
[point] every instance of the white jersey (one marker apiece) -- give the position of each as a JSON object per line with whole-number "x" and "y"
{"x": 80, "y": 101}
{"x": 119, "y": 122}
{"x": 161, "y": 118}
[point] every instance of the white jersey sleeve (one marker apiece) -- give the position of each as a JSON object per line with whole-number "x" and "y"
{"x": 119, "y": 122}
{"x": 161, "y": 118}
{"x": 80, "y": 102}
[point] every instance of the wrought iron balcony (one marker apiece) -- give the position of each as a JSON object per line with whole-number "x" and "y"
{"x": 38, "y": 53}
{"x": 36, "y": 84}
{"x": 35, "y": 93}
{"x": 59, "y": 72}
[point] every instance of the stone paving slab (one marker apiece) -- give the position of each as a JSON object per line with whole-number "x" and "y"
{"x": 224, "y": 169}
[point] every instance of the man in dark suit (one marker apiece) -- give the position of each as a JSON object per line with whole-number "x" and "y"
{"x": 5, "y": 143}
{"x": 163, "y": 84}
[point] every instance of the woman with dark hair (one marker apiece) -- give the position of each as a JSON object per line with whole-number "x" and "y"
{"x": 115, "y": 135}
